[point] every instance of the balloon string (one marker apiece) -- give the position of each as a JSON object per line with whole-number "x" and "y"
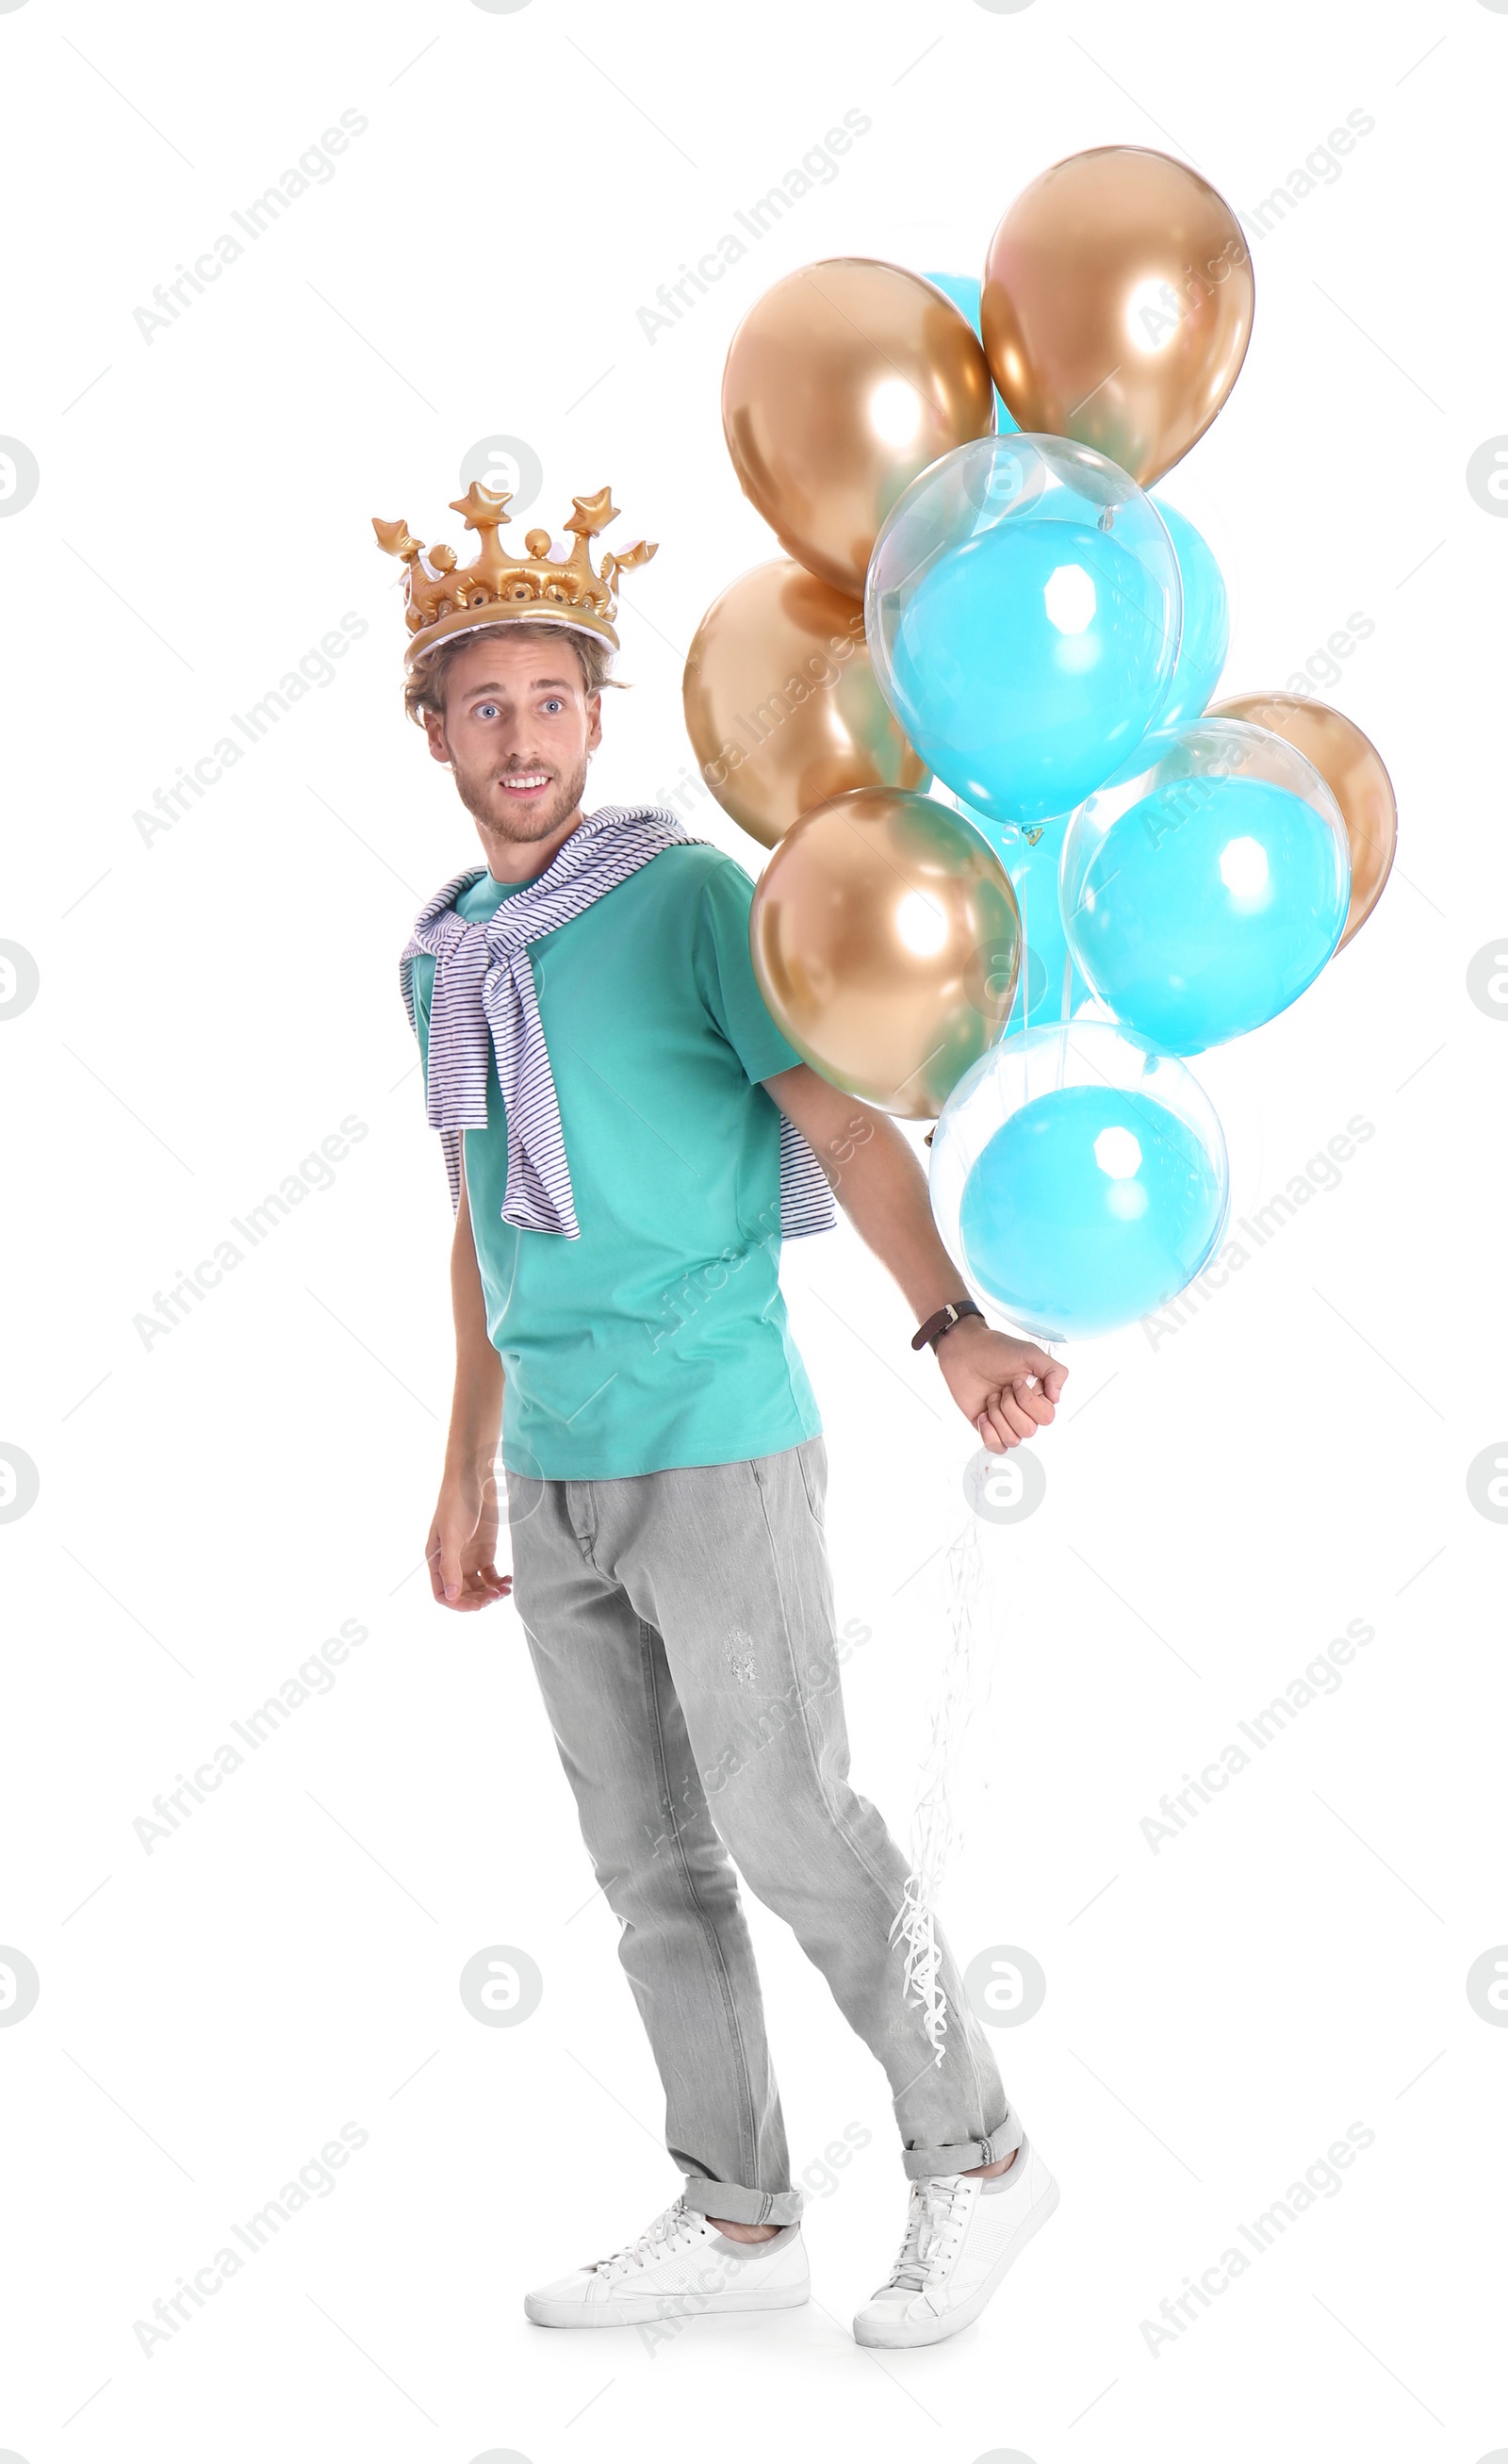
{"x": 1062, "y": 1040}
{"x": 1026, "y": 993}
{"x": 962, "y": 1687}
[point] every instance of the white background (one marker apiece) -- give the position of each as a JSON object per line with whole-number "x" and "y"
{"x": 1219, "y": 1504}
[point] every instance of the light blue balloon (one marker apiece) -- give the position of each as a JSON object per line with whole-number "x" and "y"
{"x": 1031, "y": 857}
{"x": 1022, "y": 611}
{"x": 1077, "y": 1181}
{"x": 1202, "y": 896}
{"x": 1088, "y": 1208}
{"x": 1206, "y": 635}
{"x": 963, "y": 290}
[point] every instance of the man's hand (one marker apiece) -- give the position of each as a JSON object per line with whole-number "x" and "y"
{"x": 1007, "y": 1388}
{"x": 462, "y": 1547}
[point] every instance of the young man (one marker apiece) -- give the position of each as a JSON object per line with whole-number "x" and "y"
{"x": 628, "y": 1131}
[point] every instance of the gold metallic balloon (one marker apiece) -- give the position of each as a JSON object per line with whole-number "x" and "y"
{"x": 843, "y": 382}
{"x": 1352, "y": 769}
{"x": 887, "y": 941}
{"x": 783, "y": 705}
{"x": 1117, "y": 305}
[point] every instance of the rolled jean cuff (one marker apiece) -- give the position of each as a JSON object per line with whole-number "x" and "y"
{"x": 963, "y": 2155}
{"x": 741, "y": 2207}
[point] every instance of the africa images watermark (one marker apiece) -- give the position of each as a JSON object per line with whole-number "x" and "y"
{"x": 764, "y": 1728}
{"x": 819, "y": 166}
{"x": 315, "y": 167}
{"x": 172, "y": 1808}
{"x": 680, "y": 1302}
{"x": 315, "y": 2180}
{"x": 1321, "y": 1173}
{"x": 1163, "y": 311}
{"x": 1322, "y": 2180}
{"x": 1320, "y": 668}
{"x": 315, "y": 670}
{"x": 1321, "y": 1675}
{"x": 1321, "y": 167}
{"x": 676, "y": 2311}
{"x": 317, "y": 1171}
{"x": 818, "y": 672}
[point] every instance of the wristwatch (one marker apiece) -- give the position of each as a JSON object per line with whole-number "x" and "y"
{"x": 937, "y": 1325}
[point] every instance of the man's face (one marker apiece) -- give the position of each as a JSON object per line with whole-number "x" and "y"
{"x": 519, "y": 729}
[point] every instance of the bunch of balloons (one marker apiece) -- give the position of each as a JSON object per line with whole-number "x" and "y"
{"x": 1022, "y": 867}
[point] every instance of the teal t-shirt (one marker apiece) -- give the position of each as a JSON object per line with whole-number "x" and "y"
{"x": 659, "y": 1336}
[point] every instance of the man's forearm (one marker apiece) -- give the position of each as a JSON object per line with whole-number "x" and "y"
{"x": 1006, "y": 1386}
{"x": 883, "y": 1191}
{"x": 476, "y": 1405}
{"x": 877, "y": 1180}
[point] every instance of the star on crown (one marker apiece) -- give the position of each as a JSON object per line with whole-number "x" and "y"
{"x": 443, "y": 597}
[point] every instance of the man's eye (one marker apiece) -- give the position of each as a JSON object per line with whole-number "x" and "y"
{"x": 553, "y": 704}
{"x": 488, "y": 710}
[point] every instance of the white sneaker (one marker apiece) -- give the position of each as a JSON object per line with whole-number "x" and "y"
{"x": 680, "y": 2267}
{"x": 961, "y": 2236}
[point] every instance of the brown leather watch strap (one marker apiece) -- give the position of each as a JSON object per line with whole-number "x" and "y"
{"x": 937, "y": 1325}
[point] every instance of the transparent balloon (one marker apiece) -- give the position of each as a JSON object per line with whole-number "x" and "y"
{"x": 1203, "y": 889}
{"x": 1206, "y": 635}
{"x": 1078, "y": 1181}
{"x": 1049, "y": 987}
{"x": 1022, "y": 609}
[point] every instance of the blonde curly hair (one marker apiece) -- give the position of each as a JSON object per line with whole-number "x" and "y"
{"x": 426, "y": 683}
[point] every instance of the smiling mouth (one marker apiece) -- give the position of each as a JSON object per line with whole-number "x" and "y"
{"x": 525, "y": 782}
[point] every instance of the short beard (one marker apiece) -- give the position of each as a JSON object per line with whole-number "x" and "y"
{"x": 532, "y": 827}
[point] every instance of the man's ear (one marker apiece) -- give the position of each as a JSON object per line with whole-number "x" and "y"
{"x": 594, "y": 721}
{"x": 435, "y": 729}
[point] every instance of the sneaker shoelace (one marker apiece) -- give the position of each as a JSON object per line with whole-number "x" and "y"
{"x": 674, "y": 2226}
{"x": 935, "y": 2207}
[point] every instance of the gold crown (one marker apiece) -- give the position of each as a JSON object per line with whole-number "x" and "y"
{"x": 442, "y": 597}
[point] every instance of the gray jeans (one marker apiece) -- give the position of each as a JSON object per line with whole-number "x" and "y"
{"x": 682, "y": 1629}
